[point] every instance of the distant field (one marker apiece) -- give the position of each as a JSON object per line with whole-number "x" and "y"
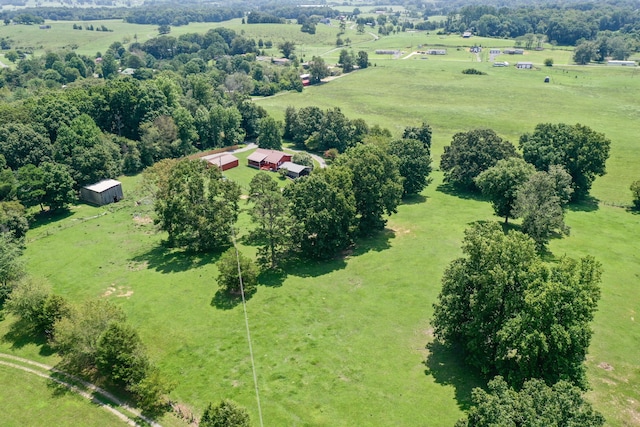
{"x": 345, "y": 343}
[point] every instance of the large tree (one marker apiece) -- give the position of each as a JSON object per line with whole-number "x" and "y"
{"x": 582, "y": 151}
{"x": 270, "y": 133}
{"x": 322, "y": 206}
{"x": 500, "y": 184}
{"x": 318, "y": 69}
{"x": 270, "y": 211}
{"x": 536, "y": 404}
{"x": 196, "y": 206}
{"x": 471, "y": 153}
{"x": 23, "y": 144}
{"x": 232, "y": 266}
{"x": 540, "y": 201}
{"x": 422, "y": 133}
{"x": 414, "y": 164}
{"x": 514, "y": 315}
{"x": 377, "y": 184}
{"x": 49, "y": 185}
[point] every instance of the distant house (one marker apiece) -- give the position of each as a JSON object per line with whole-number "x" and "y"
{"x": 306, "y": 79}
{"x": 295, "y": 170}
{"x": 387, "y": 52}
{"x": 475, "y": 49}
{"x": 45, "y": 27}
{"x": 466, "y": 34}
{"x": 514, "y": 51}
{"x": 103, "y": 192}
{"x": 501, "y": 64}
{"x": 267, "y": 159}
{"x": 524, "y": 65}
{"x": 280, "y": 61}
{"x": 223, "y": 161}
{"x": 494, "y": 51}
{"x": 623, "y": 63}
{"x": 437, "y": 52}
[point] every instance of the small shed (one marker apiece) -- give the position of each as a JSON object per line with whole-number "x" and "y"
{"x": 224, "y": 161}
{"x": 103, "y": 192}
{"x": 295, "y": 170}
{"x": 622, "y": 63}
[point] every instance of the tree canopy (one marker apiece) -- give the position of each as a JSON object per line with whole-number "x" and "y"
{"x": 514, "y": 315}
{"x": 414, "y": 164}
{"x": 559, "y": 405}
{"x": 471, "y": 153}
{"x": 582, "y": 151}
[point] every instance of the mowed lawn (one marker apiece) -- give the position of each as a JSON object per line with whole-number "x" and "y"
{"x": 346, "y": 342}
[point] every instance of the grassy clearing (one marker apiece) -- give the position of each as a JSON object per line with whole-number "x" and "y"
{"x": 26, "y": 400}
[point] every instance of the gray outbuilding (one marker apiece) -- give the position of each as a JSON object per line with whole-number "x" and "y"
{"x": 103, "y": 192}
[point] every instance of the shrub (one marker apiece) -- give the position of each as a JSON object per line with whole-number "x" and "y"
{"x": 474, "y": 71}
{"x": 548, "y": 62}
{"x": 635, "y": 190}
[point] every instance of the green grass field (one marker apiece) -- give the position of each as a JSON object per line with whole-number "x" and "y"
{"x": 347, "y": 342}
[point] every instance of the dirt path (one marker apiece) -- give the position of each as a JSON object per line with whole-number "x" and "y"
{"x": 88, "y": 390}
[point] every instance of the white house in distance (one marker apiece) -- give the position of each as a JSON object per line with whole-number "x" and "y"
{"x": 103, "y": 192}
{"x": 524, "y": 65}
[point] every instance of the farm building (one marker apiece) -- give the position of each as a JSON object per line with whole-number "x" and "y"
{"x": 267, "y": 159}
{"x": 501, "y": 64}
{"x": 466, "y": 34}
{"x": 514, "y": 51}
{"x": 437, "y": 52}
{"x": 494, "y": 51}
{"x": 295, "y": 170}
{"x": 224, "y": 161}
{"x": 524, "y": 65}
{"x": 622, "y": 63}
{"x": 387, "y": 52}
{"x": 306, "y": 79}
{"x": 103, "y": 192}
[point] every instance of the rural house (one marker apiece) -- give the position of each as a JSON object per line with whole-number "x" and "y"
{"x": 295, "y": 170}
{"x": 103, "y": 192}
{"x": 223, "y": 161}
{"x": 437, "y": 52}
{"x": 524, "y": 65}
{"x": 267, "y": 159}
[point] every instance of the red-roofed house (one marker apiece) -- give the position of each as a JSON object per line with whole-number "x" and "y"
{"x": 267, "y": 159}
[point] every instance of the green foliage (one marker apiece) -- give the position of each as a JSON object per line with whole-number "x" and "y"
{"x": 151, "y": 393}
{"x": 322, "y": 206}
{"x": 362, "y": 59}
{"x": 582, "y": 151}
{"x": 226, "y": 414}
{"x": 11, "y": 266}
{"x": 422, "y": 134}
{"x": 229, "y": 277}
{"x": 512, "y": 314}
{"x": 302, "y": 158}
{"x": 540, "y": 201}
{"x": 270, "y": 134}
{"x": 346, "y": 61}
{"x": 317, "y": 69}
{"x": 377, "y": 184}
{"x": 287, "y": 48}
{"x": 501, "y": 182}
{"x": 49, "y": 185}
{"x": 13, "y": 220}
{"x": 548, "y": 62}
{"x": 473, "y": 71}
{"x": 120, "y": 355}
{"x": 270, "y": 212}
{"x": 635, "y": 191}
{"x": 76, "y": 336}
{"x": 414, "y": 164}
{"x": 536, "y": 404}
{"x": 196, "y": 207}
{"x": 27, "y": 300}
{"x": 23, "y": 144}
{"x": 471, "y": 153}
{"x": 90, "y": 156}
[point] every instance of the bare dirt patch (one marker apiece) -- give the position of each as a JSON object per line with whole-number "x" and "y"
{"x": 137, "y": 266}
{"x": 142, "y": 220}
{"x": 118, "y": 292}
{"x": 605, "y": 366}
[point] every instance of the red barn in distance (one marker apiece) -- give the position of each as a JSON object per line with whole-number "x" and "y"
{"x": 270, "y": 160}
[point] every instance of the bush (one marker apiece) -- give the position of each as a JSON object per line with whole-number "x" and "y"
{"x": 474, "y": 71}
{"x": 635, "y": 190}
{"x": 226, "y": 414}
{"x": 548, "y": 62}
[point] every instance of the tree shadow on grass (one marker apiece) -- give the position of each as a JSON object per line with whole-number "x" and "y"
{"x": 45, "y": 217}
{"x": 446, "y": 365}
{"x": 224, "y": 301}
{"x": 273, "y": 278}
{"x": 169, "y": 260}
{"x": 462, "y": 193}
{"x": 414, "y": 199}
{"x": 588, "y": 204}
{"x": 633, "y": 210}
{"x": 377, "y": 242}
{"x": 21, "y": 333}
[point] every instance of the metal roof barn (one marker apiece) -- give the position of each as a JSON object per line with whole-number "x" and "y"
{"x": 103, "y": 192}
